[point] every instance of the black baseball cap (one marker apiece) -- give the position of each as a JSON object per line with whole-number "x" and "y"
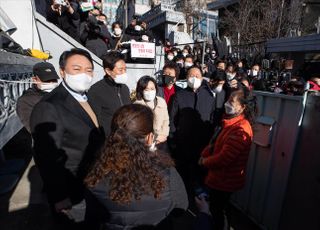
{"x": 45, "y": 71}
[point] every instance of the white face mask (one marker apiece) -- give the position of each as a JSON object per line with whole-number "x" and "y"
{"x": 48, "y": 87}
{"x": 194, "y": 82}
{"x": 117, "y": 31}
{"x": 184, "y": 54}
{"x": 149, "y": 95}
{"x": 218, "y": 89}
{"x": 254, "y": 73}
{"x": 79, "y": 83}
{"x": 137, "y": 28}
{"x": 230, "y": 76}
{"x": 170, "y": 57}
{"x": 145, "y": 38}
{"x": 229, "y": 109}
{"x": 188, "y": 64}
{"x": 121, "y": 79}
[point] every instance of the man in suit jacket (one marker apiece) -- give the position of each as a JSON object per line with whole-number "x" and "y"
{"x": 66, "y": 136}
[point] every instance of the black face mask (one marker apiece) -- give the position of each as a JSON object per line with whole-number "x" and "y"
{"x": 168, "y": 79}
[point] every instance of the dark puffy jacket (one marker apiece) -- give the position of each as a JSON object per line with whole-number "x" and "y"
{"x": 26, "y": 103}
{"x": 146, "y": 211}
{"x": 191, "y": 118}
{"x": 105, "y": 97}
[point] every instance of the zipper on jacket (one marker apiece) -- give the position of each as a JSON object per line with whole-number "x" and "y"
{"x": 119, "y": 96}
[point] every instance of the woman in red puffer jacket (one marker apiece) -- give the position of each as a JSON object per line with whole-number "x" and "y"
{"x": 227, "y": 158}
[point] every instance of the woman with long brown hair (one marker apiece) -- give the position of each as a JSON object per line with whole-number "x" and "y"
{"x": 136, "y": 185}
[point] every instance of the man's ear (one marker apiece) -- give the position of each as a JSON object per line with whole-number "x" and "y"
{"x": 62, "y": 74}
{"x": 107, "y": 71}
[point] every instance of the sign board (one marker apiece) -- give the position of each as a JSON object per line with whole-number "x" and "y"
{"x": 142, "y": 50}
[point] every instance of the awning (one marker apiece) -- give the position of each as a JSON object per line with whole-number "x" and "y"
{"x": 216, "y": 5}
{"x": 310, "y": 43}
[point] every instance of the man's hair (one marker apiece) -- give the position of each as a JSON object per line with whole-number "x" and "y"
{"x": 74, "y": 51}
{"x": 111, "y": 58}
{"x": 189, "y": 56}
{"x": 172, "y": 65}
{"x": 116, "y": 23}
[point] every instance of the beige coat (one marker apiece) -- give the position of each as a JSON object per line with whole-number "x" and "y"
{"x": 161, "y": 119}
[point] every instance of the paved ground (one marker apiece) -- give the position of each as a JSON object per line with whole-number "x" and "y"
{"x": 25, "y": 207}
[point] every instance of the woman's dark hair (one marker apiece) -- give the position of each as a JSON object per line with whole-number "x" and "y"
{"x": 111, "y": 58}
{"x": 248, "y": 100}
{"x": 131, "y": 168}
{"x": 172, "y": 65}
{"x": 116, "y": 23}
{"x": 142, "y": 85}
{"x": 69, "y": 53}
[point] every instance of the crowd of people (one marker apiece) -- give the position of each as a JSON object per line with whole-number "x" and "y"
{"x": 108, "y": 159}
{"x": 89, "y": 27}
{"x": 276, "y": 76}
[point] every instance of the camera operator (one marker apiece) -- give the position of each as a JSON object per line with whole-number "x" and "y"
{"x": 64, "y": 14}
{"x": 96, "y": 36}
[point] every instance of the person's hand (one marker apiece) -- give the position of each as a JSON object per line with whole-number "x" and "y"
{"x": 63, "y": 205}
{"x": 233, "y": 83}
{"x": 200, "y": 161}
{"x": 202, "y": 205}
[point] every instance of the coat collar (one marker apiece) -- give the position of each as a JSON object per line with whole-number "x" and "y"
{"x": 232, "y": 121}
{"x": 74, "y": 107}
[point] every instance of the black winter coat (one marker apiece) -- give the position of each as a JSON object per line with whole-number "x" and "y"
{"x": 105, "y": 97}
{"x": 65, "y": 143}
{"x": 69, "y": 23}
{"x": 26, "y": 103}
{"x": 146, "y": 211}
{"x": 191, "y": 119}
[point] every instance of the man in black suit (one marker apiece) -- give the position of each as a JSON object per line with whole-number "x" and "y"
{"x": 66, "y": 137}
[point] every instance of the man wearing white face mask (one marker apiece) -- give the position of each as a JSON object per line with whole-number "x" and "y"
{"x": 110, "y": 93}
{"x": 66, "y": 137}
{"x": 45, "y": 79}
{"x": 191, "y": 126}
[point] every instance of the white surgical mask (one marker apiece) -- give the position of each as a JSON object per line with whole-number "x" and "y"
{"x": 149, "y": 95}
{"x": 117, "y": 31}
{"x": 145, "y": 38}
{"x": 170, "y": 57}
{"x": 229, "y": 109}
{"x": 254, "y": 73}
{"x": 153, "y": 147}
{"x": 218, "y": 89}
{"x": 48, "y": 87}
{"x": 194, "y": 82}
{"x": 137, "y": 28}
{"x": 79, "y": 83}
{"x": 188, "y": 64}
{"x": 184, "y": 54}
{"x": 121, "y": 78}
{"x": 230, "y": 76}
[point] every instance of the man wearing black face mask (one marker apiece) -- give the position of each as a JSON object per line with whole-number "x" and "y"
{"x": 169, "y": 88}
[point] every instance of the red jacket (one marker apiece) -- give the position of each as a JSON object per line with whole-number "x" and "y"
{"x": 227, "y": 164}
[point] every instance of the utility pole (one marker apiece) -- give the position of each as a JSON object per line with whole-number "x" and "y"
{"x": 126, "y": 12}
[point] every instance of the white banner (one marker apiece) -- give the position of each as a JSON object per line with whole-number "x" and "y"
{"x": 142, "y": 50}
